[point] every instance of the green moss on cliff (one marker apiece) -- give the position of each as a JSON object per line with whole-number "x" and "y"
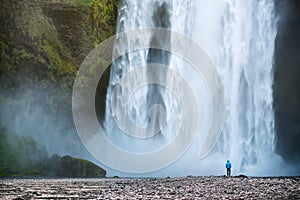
{"x": 42, "y": 44}
{"x": 56, "y": 35}
{"x": 104, "y": 17}
{"x": 84, "y": 2}
{"x": 46, "y": 41}
{"x": 21, "y": 155}
{"x": 67, "y": 166}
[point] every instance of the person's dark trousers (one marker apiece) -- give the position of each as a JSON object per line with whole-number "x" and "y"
{"x": 228, "y": 171}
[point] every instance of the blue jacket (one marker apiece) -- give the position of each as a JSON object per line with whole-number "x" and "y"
{"x": 228, "y": 164}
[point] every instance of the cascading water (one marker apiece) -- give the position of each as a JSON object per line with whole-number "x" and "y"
{"x": 245, "y": 59}
{"x": 141, "y": 14}
{"x": 239, "y": 37}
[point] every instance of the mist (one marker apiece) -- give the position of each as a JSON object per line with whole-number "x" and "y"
{"x": 40, "y": 108}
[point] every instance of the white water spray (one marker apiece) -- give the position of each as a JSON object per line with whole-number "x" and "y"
{"x": 239, "y": 36}
{"x": 245, "y": 60}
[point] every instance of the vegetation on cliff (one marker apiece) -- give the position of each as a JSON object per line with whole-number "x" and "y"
{"x": 48, "y": 40}
{"x": 23, "y": 156}
{"x": 42, "y": 44}
{"x": 67, "y": 166}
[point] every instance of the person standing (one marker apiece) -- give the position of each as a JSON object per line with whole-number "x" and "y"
{"x": 228, "y": 167}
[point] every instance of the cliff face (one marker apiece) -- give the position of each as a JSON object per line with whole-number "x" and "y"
{"x": 20, "y": 155}
{"x": 67, "y": 166}
{"x": 23, "y": 156}
{"x": 51, "y": 38}
{"x": 42, "y": 44}
{"x": 287, "y": 80}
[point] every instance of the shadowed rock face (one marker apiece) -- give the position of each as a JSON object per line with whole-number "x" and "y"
{"x": 67, "y": 166}
{"x": 23, "y": 156}
{"x": 42, "y": 45}
{"x": 287, "y": 80}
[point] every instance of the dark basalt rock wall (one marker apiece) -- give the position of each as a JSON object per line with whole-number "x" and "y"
{"x": 287, "y": 80}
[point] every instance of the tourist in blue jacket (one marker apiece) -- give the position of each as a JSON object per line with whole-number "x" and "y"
{"x": 228, "y": 167}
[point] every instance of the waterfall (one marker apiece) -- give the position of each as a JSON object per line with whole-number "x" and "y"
{"x": 245, "y": 59}
{"x": 141, "y": 14}
{"x": 239, "y": 37}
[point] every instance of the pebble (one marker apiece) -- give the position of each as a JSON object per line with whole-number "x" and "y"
{"x": 212, "y": 187}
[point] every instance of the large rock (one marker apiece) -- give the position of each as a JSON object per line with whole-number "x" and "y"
{"x": 23, "y": 156}
{"x": 67, "y": 166}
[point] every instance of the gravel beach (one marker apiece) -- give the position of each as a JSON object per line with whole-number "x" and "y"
{"x": 209, "y": 187}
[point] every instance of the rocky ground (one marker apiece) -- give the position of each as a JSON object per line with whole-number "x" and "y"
{"x": 164, "y": 188}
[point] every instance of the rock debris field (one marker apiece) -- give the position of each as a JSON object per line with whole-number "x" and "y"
{"x": 210, "y": 187}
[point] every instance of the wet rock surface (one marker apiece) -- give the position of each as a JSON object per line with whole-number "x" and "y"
{"x": 166, "y": 188}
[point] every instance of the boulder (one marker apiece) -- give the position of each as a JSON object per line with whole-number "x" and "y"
{"x": 68, "y": 166}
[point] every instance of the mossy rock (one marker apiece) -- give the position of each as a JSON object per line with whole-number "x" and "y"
{"x": 21, "y": 156}
{"x": 68, "y": 166}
